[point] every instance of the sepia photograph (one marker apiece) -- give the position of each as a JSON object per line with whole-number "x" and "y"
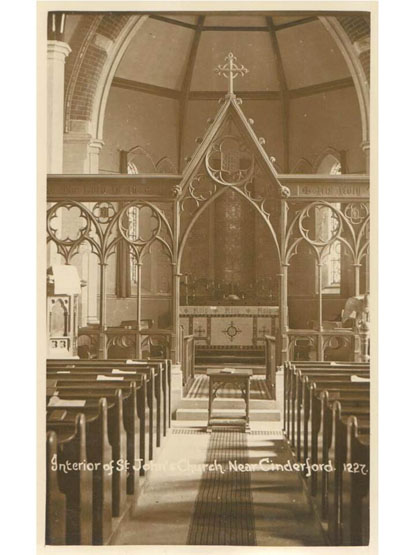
{"x": 208, "y": 365}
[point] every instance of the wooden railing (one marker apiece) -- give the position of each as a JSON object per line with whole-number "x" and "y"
{"x": 336, "y": 344}
{"x": 188, "y": 362}
{"x": 125, "y": 342}
{"x": 270, "y": 346}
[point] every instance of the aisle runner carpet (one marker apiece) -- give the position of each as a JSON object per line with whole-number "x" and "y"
{"x": 199, "y": 389}
{"x": 223, "y": 511}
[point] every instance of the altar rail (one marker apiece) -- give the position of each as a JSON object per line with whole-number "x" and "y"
{"x": 336, "y": 344}
{"x": 125, "y": 343}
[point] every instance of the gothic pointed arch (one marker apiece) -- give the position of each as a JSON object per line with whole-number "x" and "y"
{"x": 326, "y": 161}
{"x": 302, "y": 166}
{"x": 229, "y": 157}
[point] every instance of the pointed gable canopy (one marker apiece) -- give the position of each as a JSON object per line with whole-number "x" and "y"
{"x": 230, "y": 149}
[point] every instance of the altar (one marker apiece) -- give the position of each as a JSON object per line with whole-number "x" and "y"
{"x": 229, "y": 326}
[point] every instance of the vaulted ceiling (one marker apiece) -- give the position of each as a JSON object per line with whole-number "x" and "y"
{"x": 289, "y": 57}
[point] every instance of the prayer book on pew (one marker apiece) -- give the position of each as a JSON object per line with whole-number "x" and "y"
{"x": 102, "y": 378}
{"x": 118, "y": 371}
{"x": 227, "y": 370}
{"x": 57, "y": 402}
{"x": 355, "y": 378}
{"x": 137, "y": 362}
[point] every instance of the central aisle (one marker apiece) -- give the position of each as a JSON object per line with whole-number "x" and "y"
{"x": 223, "y": 504}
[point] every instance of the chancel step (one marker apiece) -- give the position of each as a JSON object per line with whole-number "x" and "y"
{"x": 227, "y": 403}
{"x": 256, "y": 415}
{"x": 229, "y": 356}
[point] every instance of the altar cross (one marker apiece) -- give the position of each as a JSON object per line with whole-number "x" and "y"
{"x": 231, "y": 70}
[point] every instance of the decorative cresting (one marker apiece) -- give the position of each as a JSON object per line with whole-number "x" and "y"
{"x": 71, "y": 224}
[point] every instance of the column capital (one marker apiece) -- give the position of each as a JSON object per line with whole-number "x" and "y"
{"x": 365, "y": 145}
{"x": 58, "y": 50}
{"x": 77, "y": 138}
{"x": 96, "y": 144}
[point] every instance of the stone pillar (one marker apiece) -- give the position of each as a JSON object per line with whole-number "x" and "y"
{"x": 94, "y": 149}
{"x": 57, "y": 53}
{"x": 81, "y": 153}
{"x": 81, "y": 156}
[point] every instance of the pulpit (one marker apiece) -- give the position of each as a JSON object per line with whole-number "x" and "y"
{"x": 63, "y": 290}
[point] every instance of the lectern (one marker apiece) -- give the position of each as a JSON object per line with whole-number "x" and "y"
{"x": 63, "y": 290}
{"x": 239, "y": 379}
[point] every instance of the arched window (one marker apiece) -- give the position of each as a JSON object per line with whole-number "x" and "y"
{"x": 325, "y": 221}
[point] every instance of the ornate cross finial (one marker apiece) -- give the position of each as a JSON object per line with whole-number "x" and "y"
{"x": 231, "y": 70}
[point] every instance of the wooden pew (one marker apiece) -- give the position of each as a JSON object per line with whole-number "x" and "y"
{"x": 98, "y": 452}
{"x": 55, "y": 497}
{"x": 146, "y": 395}
{"x": 328, "y": 420}
{"x": 296, "y": 393}
{"x": 75, "y": 380}
{"x": 323, "y": 441}
{"x": 327, "y": 363}
{"x": 116, "y": 434}
{"x": 77, "y": 383}
{"x": 347, "y": 392}
{"x": 163, "y": 365}
{"x": 69, "y": 444}
{"x": 290, "y": 387}
{"x": 157, "y": 388}
{"x": 355, "y": 514}
{"x": 358, "y": 460}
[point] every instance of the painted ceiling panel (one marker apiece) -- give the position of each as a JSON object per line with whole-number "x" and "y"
{"x": 310, "y": 56}
{"x": 253, "y": 49}
{"x": 157, "y": 55}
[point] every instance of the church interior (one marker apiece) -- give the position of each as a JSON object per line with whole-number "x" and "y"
{"x": 208, "y": 278}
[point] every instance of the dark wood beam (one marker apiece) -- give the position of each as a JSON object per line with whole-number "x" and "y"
{"x": 260, "y": 28}
{"x": 322, "y": 87}
{"x": 232, "y": 28}
{"x": 173, "y": 21}
{"x": 285, "y": 104}
{"x": 295, "y": 23}
{"x": 185, "y": 90}
{"x": 145, "y": 88}
{"x": 264, "y": 13}
{"x": 244, "y": 95}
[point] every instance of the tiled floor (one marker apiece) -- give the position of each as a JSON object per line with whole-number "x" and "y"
{"x": 178, "y": 505}
{"x": 223, "y": 512}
